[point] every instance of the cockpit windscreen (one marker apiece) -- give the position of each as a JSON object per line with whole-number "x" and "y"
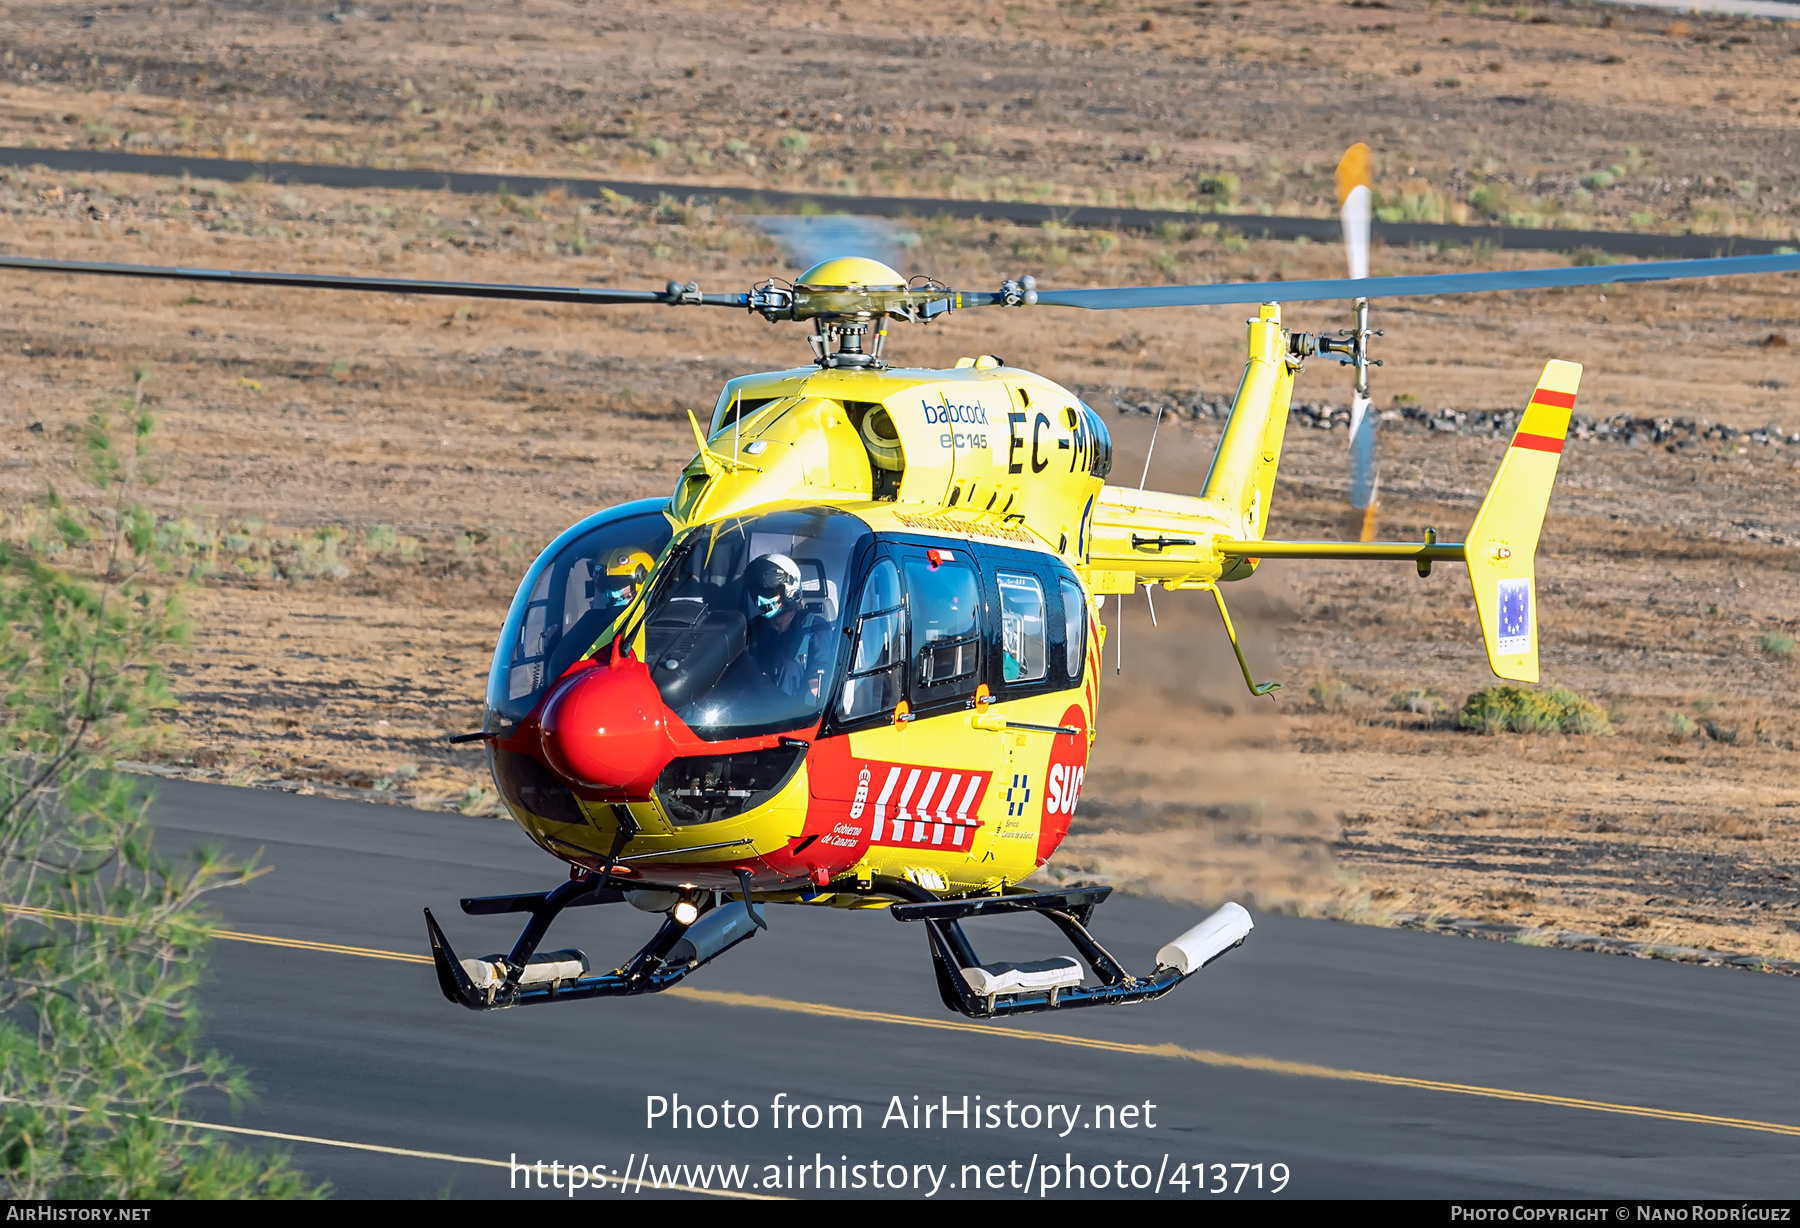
{"x": 745, "y": 621}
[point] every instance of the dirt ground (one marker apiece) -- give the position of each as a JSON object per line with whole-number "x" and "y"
{"x": 1567, "y": 114}
{"x": 357, "y": 481}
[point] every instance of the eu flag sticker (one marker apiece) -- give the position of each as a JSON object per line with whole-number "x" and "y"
{"x": 1515, "y": 617}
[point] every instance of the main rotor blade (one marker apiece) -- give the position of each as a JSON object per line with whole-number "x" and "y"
{"x": 390, "y": 285}
{"x": 1427, "y": 284}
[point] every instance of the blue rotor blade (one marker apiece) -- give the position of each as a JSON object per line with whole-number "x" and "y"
{"x": 1428, "y": 284}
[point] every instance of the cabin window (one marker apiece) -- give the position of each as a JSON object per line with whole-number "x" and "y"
{"x": 878, "y": 662}
{"x": 1075, "y": 626}
{"x": 944, "y": 604}
{"x": 1023, "y": 632}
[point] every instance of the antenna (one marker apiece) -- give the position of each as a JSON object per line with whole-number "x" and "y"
{"x": 1152, "y": 450}
{"x": 1119, "y": 657}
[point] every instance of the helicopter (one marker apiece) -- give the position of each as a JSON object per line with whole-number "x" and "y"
{"x": 853, "y": 660}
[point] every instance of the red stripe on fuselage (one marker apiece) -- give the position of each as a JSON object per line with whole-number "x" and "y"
{"x": 1537, "y": 443}
{"x": 1562, "y": 400}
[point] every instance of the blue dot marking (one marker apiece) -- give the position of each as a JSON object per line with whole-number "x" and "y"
{"x": 1514, "y": 600}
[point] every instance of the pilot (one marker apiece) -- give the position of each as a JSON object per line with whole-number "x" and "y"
{"x": 787, "y": 643}
{"x": 626, "y": 569}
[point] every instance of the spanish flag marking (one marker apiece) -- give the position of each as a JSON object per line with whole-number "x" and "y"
{"x": 1546, "y": 422}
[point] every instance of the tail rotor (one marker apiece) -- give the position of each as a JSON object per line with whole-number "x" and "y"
{"x": 1355, "y": 212}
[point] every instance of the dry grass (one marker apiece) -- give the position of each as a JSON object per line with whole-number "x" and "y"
{"x": 482, "y": 429}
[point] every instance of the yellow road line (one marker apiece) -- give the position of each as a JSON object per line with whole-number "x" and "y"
{"x": 1206, "y": 1057}
{"x": 1232, "y": 1061}
{"x": 328, "y": 948}
{"x": 267, "y": 940}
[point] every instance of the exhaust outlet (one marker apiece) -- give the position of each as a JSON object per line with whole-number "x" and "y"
{"x": 1189, "y": 952}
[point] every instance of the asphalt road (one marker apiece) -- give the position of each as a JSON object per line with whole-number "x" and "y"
{"x": 1369, "y": 1062}
{"x": 1325, "y": 230}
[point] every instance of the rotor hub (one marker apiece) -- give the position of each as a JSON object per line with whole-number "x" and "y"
{"x": 850, "y": 273}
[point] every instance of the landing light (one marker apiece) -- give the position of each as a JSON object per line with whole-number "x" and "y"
{"x": 685, "y": 913}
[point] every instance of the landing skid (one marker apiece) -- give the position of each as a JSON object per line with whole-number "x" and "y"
{"x": 987, "y": 991}
{"x": 524, "y": 976}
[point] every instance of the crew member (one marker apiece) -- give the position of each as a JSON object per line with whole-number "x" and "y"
{"x": 626, "y": 569}
{"x": 788, "y": 644}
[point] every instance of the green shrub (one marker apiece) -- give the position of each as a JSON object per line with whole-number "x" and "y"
{"x": 1330, "y": 694}
{"x": 102, "y": 942}
{"x": 1221, "y": 190}
{"x": 1680, "y": 726}
{"x": 1493, "y": 199}
{"x": 1777, "y": 644}
{"x": 1515, "y": 709}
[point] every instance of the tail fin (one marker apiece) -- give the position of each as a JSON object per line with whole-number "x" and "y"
{"x": 1501, "y": 548}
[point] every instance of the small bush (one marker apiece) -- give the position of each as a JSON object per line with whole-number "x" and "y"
{"x": 1680, "y": 726}
{"x": 1718, "y": 732}
{"x": 1423, "y": 700}
{"x": 383, "y": 541}
{"x": 1492, "y": 199}
{"x": 1220, "y": 190}
{"x": 1514, "y": 709}
{"x": 1331, "y": 695}
{"x": 1777, "y": 644}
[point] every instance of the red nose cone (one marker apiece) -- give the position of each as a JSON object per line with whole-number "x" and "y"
{"x": 608, "y": 727}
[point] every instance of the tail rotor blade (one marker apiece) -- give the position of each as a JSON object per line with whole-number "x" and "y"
{"x": 1355, "y": 206}
{"x": 1365, "y": 475}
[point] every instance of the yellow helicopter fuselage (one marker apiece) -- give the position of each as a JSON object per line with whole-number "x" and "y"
{"x": 947, "y": 741}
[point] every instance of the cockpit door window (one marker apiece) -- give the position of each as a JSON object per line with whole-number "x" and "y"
{"x": 878, "y": 661}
